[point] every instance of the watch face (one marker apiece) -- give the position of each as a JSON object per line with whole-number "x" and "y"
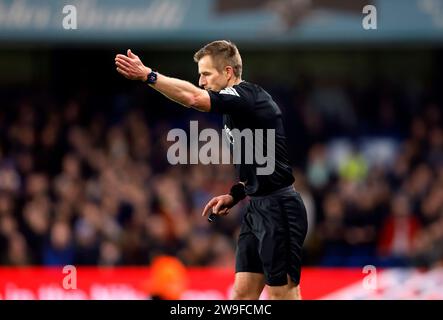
{"x": 152, "y": 78}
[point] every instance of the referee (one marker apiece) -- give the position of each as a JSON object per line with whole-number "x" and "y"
{"x": 274, "y": 227}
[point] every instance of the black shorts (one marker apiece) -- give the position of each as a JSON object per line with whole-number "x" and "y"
{"x": 272, "y": 235}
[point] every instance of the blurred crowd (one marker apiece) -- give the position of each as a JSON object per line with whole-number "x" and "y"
{"x": 87, "y": 192}
{"x": 81, "y": 186}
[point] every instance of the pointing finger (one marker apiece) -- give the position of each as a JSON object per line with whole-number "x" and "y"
{"x": 218, "y": 206}
{"x": 209, "y": 206}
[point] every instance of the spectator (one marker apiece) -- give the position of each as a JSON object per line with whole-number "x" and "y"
{"x": 398, "y": 233}
{"x": 59, "y": 250}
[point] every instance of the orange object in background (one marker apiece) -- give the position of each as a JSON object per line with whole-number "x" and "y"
{"x": 168, "y": 278}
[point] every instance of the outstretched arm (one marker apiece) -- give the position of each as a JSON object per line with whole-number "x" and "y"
{"x": 180, "y": 91}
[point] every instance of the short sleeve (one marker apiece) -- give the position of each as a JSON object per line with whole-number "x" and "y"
{"x": 230, "y": 101}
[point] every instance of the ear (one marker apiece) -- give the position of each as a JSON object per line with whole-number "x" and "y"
{"x": 229, "y": 72}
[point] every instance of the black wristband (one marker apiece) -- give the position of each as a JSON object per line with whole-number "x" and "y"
{"x": 238, "y": 192}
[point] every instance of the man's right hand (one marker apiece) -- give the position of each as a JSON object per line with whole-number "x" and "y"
{"x": 221, "y": 205}
{"x": 131, "y": 67}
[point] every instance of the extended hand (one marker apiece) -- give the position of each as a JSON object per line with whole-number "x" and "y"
{"x": 221, "y": 205}
{"x": 131, "y": 67}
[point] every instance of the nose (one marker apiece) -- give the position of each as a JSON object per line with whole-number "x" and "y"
{"x": 202, "y": 81}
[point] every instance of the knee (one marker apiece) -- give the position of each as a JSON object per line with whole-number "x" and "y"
{"x": 242, "y": 293}
{"x": 285, "y": 293}
{"x": 278, "y": 294}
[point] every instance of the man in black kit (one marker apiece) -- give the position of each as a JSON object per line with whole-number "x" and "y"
{"x": 274, "y": 227}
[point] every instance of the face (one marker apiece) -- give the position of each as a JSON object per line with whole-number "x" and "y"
{"x": 210, "y": 77}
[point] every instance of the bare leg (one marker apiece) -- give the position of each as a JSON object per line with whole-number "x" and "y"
{"x": 289, "y": 291}
{"x": 248, "y": 286}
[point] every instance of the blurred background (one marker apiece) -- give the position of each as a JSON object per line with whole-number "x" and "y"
{"x": 84, "y": 177}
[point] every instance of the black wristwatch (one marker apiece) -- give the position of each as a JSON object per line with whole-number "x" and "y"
{"x": 152, "y": 77}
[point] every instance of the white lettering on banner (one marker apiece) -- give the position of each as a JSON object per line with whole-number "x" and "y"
{"x": 12, "y": 292}
{"x": 55, "y": 292}
{"x": 203, "y": 295}
{"x": 115, "y": 292}
{"x": 159, "y": 14}
{"x": 396, "y": 284}
{"x": 91, "y": 14}
{"x": 20, "y": 15}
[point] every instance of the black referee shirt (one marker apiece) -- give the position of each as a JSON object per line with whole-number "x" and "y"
{"x": 248, "y": 106}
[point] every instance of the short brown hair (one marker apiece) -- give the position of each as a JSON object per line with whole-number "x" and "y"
{"x": 224, "y": 53}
